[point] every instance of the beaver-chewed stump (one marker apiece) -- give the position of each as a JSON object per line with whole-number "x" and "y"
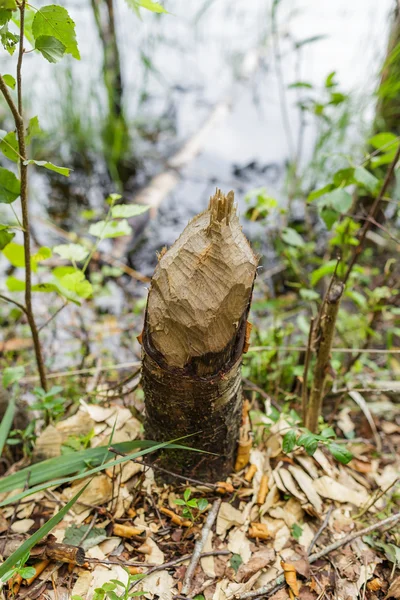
{"x": 193, "y": 340}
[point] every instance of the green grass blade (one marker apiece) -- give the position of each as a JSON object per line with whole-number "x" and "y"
{"x": 6, "y": 424}
{"x": 62, "y": 466}
{"x": 76, "y": 462}
{"x": 101, "y": 467}
{"x": 38, "y": 535}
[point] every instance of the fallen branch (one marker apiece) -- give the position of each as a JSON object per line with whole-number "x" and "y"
{"x": 320, "y": 530}
{"x": 212, "y": 515}
{"x": 268, "y": 589}
{"x": 46, "y": 549}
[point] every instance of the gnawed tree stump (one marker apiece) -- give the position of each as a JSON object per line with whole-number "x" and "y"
{"x": 193, "y": 340}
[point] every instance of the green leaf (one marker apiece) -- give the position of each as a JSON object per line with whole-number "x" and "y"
{"x": 179, "y": 502}
{"x": 15, "y": 285}
{"x": 321, "y": 192}
{"x": 128, "y": 210}
{"x": 27, "y": 572}
{"x": 235, "y": 562}
{"x": 343, "y": 177}
{"x": 296, "y": 531}
{"x": 47, "y": 471}
{"x": 7, "y": 38}
{"x": 15, "y": 254}
{"x": 50, "y": 47}
{"x": 33, "y": 129}
{"x": 300, "y": 84}
{"x": 9, "y": 146}
{"x": 110, "y": 229}
{"x": 329, "y": 81}
{"x": 10, "y": 186}
{"x": 309, "y": 294}
{"x": 365, "y": 178}
{"x": 329, "y": 217}
{"x": 10, "y": 81}
{"x": 8, "y": 5}
{"x": 309, "y": 441}
{"x": 93, "y": 536}
{"x": 202, "y": 504}
{"x": 289, "y": 441}
{"x": 54, "y": 21}
{"x": 39, "y": 534}
{"x": 72, "y": 252}
{"x": 326, "y": 269}
{"x": 6, "y": 422}
{"x": 77, "y": 283}
{"x": 327, "y": 433}
{"x": 48, "y": 165}
{"x": 6, "y": 236}
{"x": 147, "y": 4}
{"x": 384, "y": 141}
{"x": 12, "y": 375}
{"x": 291, "y": 237}
{"x": 339, "y": 200}
{"x": 186, "y": 494}
{"x": 341, "y": 453}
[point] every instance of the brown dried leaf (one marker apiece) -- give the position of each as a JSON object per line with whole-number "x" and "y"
{"x": 291, "y": 577}
{"x": 258, "y": 561}
{"x": 394, "y": 590}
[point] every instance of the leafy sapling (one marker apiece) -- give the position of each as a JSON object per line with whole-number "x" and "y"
{"x": 192, "y": 507}
{"x": 19, "y": 569}
{"x": 309, "y": 441}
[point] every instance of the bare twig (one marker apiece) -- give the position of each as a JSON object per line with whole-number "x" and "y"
{"x": 306, "y": 365}
{"x": 212, "y": 515}
{"x": 7, "y": 299}
{"x": 268, "y": 589}
{"x": 375, "y": 500}
{"x": 320, "y": 530}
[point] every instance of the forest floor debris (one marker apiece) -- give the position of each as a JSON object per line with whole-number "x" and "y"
{"x": 287, "y": 525}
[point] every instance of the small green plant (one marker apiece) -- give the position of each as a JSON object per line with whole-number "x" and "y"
{"x": 192, "y": 507}
{"x": 51, "y": 403}
{"x": 309, "y": 441}
{"x": 109, "y": 590}
{"x": 296, "y": 531}
{"x": 23, "y": 437}
{"x": 19, "y": 569}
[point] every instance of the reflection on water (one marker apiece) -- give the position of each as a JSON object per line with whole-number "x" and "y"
{"x": 175, "y": 69}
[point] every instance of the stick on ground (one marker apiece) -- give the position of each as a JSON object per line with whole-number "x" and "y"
{"x": 212, "y": 515}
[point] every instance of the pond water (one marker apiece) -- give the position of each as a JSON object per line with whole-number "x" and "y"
{"x": 175, "y": 69}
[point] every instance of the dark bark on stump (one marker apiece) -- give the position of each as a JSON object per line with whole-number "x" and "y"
{"x": 193, "y": 340}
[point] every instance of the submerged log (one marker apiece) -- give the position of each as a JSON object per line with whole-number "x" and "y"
{"x": 193, "y": 340}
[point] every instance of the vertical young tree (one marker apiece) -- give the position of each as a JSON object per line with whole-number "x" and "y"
{"x": 193, "y": 340}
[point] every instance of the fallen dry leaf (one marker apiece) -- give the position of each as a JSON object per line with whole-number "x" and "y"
{"x": 394, "y": 590}
{"x": 259, "y": 531}
{"x": 258, "y": 561}
{"x": 329, "y": 488}
{"x": 227, "y": 518}
{"x": 291, "y": 577}
{"x": 22, "y": 526}
{"x": 306, "y": 484}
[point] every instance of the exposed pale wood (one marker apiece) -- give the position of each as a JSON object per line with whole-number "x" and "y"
{"x": 201, "y": 286}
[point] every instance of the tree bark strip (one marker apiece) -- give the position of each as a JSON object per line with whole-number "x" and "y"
{"x": 193, "y": 341}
